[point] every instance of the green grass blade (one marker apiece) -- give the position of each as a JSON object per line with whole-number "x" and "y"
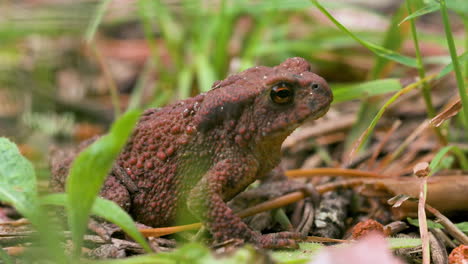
{"x": 465, "y": 23}
{"x": 345, "y": 92}
{"x": 449, "y": 68}
{"x": 431, "y": 112}
{"x": 93, "y": 26}
{"x": 163, "y": 97}
{"x": 88, "y": 173}
{"x": 170, "y": 29}
{"x": 108, "y": 210}
{"x": 436, "y": 161}
{"x": 184, "y": 82}
{"x": 432, "y": 7}
{"x": 456, "y": 64}
{"x": 225, "y": 24}
{"x": 463, "y": 226}
{"x": 205, "y": 73}
{"x": 376, "y": 49}
{"x": 362, "y": 139}
{"x": 146, "y": 18}
{"x": 393, "y": 40}
{"x": 403, "y": 242}
{"x": 389, "y": 54}
{"x": 115, "y": 214}
{"x": 255, "y": 40}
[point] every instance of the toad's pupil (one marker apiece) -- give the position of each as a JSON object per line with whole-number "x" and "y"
{"x": 283, "y": 93}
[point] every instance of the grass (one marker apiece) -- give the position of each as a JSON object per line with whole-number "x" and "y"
{"x": 198, "y": 42}
{"x": 421, "y": 70}
{"x": 456, "y": 64}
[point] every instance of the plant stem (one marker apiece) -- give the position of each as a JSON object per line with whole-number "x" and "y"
{"x": 426, "y": 91}
{"x": 426, "y": 250}
{"x": 114, "y": 91}
{"x": 421, "y": 71}
{"x": 456, "y": 63}
{"x": 465, "y": 22}
{"x": 93, "y": 26}
{"x": 365, "y": 135}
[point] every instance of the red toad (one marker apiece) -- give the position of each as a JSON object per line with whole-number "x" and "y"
{"x": 187, "y": 159}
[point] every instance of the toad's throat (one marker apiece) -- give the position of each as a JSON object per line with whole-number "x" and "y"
{"x": 280, "y": 132}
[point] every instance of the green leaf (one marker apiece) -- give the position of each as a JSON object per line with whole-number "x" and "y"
{"x": 436, "y": 161}
{"x": 376, "y": 49}
{"x": 449, "y": 68}
{"x": 302, "y": 255}
{"x": 108, "y": 210}
{"x": 430, "y": 223}
{"x": 18, "y": 180}
{"x": 400, "y": 242}
{"x": 390, "y": 54}
{"x": 432, "y": 7}
{"x": 463, "y": 226}
{"x": 345, "y": 92}
{"x": 393, "y": 40}
{"x": 89, "y": 171}
{"x": 18, "y": 188}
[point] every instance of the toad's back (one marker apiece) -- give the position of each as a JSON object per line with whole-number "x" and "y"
{"x": 153, "y": 156}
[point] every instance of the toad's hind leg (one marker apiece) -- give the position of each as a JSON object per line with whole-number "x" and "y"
{"x": 205, "y": 200}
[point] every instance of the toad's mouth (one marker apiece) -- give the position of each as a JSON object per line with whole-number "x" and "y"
{"x": 316, "y": 115}
{"x": 297, "y": 122}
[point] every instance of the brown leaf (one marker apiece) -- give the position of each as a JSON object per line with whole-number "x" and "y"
{"x": 444, "y": 192}
{"x": 447, "y": 113}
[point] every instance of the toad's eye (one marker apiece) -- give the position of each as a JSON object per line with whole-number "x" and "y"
{"x": 282, "y": 93}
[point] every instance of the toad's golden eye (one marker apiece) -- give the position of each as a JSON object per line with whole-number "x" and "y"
{"x": 282, "y": 93}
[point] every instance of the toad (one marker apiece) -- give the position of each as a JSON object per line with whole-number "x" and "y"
{"x": 187, "y": 159}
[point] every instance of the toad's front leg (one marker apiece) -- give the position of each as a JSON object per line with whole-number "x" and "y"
{"x": 206, "y": 201}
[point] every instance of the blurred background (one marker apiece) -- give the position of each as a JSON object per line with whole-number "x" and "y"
{"x": 68, "y": 68}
